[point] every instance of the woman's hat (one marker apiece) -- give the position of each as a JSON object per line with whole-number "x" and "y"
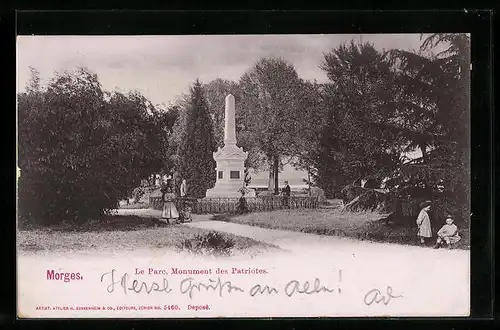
{"x": 425, "y": 204}
{"x": 449, "y": 216}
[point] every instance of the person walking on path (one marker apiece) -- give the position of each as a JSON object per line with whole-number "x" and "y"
{"x": 424, "y": 222}
{"x": 168, "y": 198}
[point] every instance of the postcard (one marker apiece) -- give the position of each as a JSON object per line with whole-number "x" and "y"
{"x": 243, "y": 176}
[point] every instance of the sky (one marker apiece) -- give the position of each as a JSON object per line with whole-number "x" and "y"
{"x": 163, "y": 67}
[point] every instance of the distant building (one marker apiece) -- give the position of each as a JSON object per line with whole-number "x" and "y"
{"x": 294, "y": 177}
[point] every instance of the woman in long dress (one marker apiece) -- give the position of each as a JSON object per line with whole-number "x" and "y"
{"x": 424, "y": 222}
{"x": 169, "y": 209}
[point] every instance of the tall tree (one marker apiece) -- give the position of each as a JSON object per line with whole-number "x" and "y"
{"x": 434, "y": 108}
{"x": 195, "y": 161}
{"x": 307, "y": 143}
{"x": 271, "y": 110}
{"x": 215, "y": 93}
{"x": 80, "y": 149}
{"x": 359, "y": 96}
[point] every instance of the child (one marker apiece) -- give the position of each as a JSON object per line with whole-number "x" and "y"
{"x": 448, "y": 233}
{"x": 424, "y": 222}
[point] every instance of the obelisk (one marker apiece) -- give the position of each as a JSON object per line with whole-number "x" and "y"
{"x": 230, "y": 159}
{"x": 229, "y": 122}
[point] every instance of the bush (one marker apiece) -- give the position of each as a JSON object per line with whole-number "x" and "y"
{"x": 212, "y": 243}
{"x": 370, "y": 200}
{"x": 443, "y": 205}
{"x": 318, "y": 192}
{"x": 349, "y": 192}
{"x": 407, "y": 207}
{"x": 81, "y": 150}
{"x": 138, "y": 193}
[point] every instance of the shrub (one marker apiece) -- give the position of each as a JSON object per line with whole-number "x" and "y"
{"x": 82, "y": 149}
{"x": 212, "y": 243}
{"x": 318, "y": 192}
{"x": 370, "y": 200}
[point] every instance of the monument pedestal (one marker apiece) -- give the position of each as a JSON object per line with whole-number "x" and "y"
{"x": 230, "y": 172}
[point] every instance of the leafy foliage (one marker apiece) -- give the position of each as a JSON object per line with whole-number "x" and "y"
{"x": 81, "y": 149}
{"x": 195, "y": 161}
{"x": 442, "y": 105}
{"x": 379, "y": 106}
{"x": 247, "y": 179}
{"x": 212, "y": 243}
{"x": 273, "y": 108}
{"x": 357, "y": 100}
{"x": 215, "y": 93}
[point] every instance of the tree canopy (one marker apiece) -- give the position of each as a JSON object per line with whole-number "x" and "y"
{"x": 82, "y": 149}
{"x": 379, "y": 106}
{"x": 435, "y": 103}
{"x": 195, "y": 161}
{"x": 358, "y": 98}
{"x": 273, "y": 102}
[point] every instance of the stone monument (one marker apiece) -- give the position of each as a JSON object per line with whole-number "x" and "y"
{"x": 230, "y": 160}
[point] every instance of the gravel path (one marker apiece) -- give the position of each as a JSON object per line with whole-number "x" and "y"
{"x": 303, "y": 242}
{"x": 298, "y": 242}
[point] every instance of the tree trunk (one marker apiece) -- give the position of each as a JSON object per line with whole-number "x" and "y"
{"x": 270, "y": 183}
{"x": 423, "y": 147}
{"x": 309, "y": 182}
{"x": 276, "y": 164}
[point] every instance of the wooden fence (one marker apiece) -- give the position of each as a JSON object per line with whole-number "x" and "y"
{"x": 230, "y": 205}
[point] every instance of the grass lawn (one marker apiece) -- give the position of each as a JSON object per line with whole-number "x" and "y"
{"x": 363, "y": 225}
{"x": 118, "y": 233}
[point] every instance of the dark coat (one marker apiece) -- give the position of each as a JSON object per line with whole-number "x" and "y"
{"x": 286, "y": 191}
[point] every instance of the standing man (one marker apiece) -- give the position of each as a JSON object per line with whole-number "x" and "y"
{"x": 285, "y": 191}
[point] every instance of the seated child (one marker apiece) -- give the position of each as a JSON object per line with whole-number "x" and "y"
{"x": 448, "y": 233}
